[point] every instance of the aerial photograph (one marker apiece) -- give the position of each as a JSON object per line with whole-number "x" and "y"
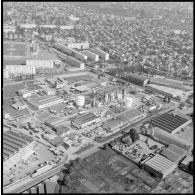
{"x": 97, "y": 97}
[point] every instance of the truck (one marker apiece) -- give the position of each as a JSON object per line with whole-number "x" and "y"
{"x": 41, "y": 170}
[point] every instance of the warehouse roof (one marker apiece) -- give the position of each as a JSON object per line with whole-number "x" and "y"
{"x": 161, "y": 164}
{"x": 44, "y": 100}
{"x": 120, "y": 119}
{"x": 169, "y": 121}
{"x": 62, "y": 129}
{"x": 54, "y": 120}
{"x": 172, "y": 156}
{"x": 170, "y": 138}
{"x": 85, "y": 118}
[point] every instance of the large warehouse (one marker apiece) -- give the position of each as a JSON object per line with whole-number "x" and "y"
{"x": 168, "y": 138}
{"x": 171, "y": 122}
{"x": 85, "y": 120}
{"x": 174, "y": 153}
{"x": 16, "y": 147}
{"x": 45, "y": 101}
{"x": 159, "y": 166}
{"x": 117, "y": 122}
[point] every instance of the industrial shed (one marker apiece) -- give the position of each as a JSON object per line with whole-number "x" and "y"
{"x": 85, "y": 120}
{"x": 168, "y": 138}
{"x": 159, "y": 166}
{"x": 174, "y": 153}
{"x": 171, "y": 122}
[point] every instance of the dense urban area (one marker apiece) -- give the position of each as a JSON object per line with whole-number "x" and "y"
{"x": 97, "y": 97}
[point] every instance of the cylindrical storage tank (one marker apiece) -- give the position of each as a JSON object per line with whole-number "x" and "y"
{"x": 80, "y": 101}
{"x": 128, "y": 102}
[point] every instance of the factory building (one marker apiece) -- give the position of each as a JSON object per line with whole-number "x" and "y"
{"x": 174, "y": 153}
{"x": 54, "y": 121}
{"x": 40, "y": 63}
{"x": 24, "y": 93}
{"x": 20, "y": 69}
{"x": 86, "y": 120}
{"x": 76, "y": 63}
{"x": 168, "y": 138}
{"x": 91, "y": 56}
{"x": 81, "y": 46}
{"x": 48, "y": 90}
{"x": 184, "y": 165}
{"x": 16, "y": 147}
{"x": 171, "y": 122}
{"x": 159, "y": 166}
{"x": 45, "y": 101}
{"x": 60, "y": 54}
{"x": 103, "y": 55}
{"x": 131, "y": 116}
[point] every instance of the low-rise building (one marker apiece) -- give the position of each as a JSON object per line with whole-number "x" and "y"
{"x": 24, "y": 93}
{"x": 45, "y": 101}
{"x": 159, "y": 166}
{"x": 86, "y": 120}
{"x": 48, "y": 90}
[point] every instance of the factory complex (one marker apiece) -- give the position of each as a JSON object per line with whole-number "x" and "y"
{"x": 44, "y": 102}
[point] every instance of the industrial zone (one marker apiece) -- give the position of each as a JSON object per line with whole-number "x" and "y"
{"x": 71, "y": 126}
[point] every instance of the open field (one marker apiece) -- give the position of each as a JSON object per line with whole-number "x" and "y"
{"x": 7, "y": 107}
{"x": 13, "y": 49}
{"x": 11, "y": 90}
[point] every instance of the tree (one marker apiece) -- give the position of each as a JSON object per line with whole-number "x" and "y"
{"x": 134, "y": 135}
{"x": 191, "y": 166}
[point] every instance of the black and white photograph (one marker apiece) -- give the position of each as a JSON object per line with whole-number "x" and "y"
{"x": 97, "y": 97}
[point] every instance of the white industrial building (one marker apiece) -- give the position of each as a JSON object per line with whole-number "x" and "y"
{"x": 20, "y": 69}
{"x": 45, "y": 101}
{"x": 160, "y": 166}
{"x": 91, "y": 56}
{"x": 40, "y": 63}
{"x": 86, "y": 120}
{"x": 84, "y": 45}
{"x": 75, "y": 62}
{"x": 48, "y": 90}
{"x": 24, "y": 93}
{"x": 101, "y": 53}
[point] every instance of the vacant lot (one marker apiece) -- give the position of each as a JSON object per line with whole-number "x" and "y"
{"x": 11, "y": 90}
{"x": 105, "y": 171}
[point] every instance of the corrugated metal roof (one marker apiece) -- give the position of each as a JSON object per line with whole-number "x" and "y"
{"x": 160, "y": 163}
{"x": 85, "y": 118}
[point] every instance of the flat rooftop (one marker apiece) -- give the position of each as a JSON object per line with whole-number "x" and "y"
{"x": 85, "y": 118}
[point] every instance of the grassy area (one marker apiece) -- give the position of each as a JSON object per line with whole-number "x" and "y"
{"x": 7, "y": 107}
{"x": 11, "y": 90}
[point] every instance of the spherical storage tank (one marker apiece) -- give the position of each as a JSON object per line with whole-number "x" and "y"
{"x": 128, "y": 102}
{"x": 80, "y": 101}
